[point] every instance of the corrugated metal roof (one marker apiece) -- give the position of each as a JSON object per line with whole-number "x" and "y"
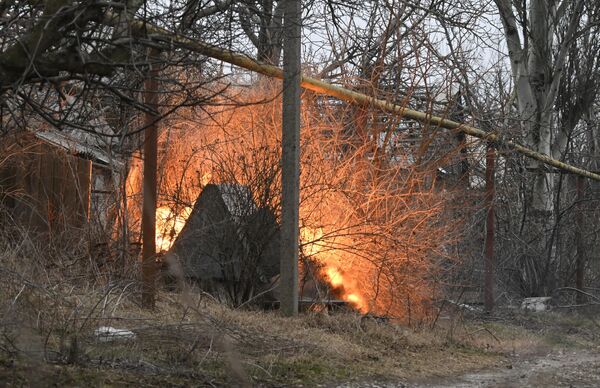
{"x": 79, "y": 148}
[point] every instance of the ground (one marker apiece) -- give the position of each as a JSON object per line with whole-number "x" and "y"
{"x": 559, "y": 368}
{"x": 200, "y": 343}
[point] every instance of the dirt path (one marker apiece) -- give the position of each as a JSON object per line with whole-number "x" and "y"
{"x": 579, "y": 368}
{"x": 557, "y": 369}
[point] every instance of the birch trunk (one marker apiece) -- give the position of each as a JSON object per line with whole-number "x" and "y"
{"x": 537, "y": 67}
{"x": 537, "y": 64}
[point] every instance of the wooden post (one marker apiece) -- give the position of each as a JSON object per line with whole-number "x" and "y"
{"x": 580, "y": 267}
{"x": 489, "y": 228}
{"x": 290, "y": 158}
{"x": 149, "y": 266}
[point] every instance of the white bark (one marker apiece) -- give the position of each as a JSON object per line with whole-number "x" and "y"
{"x": 537, "y": 72}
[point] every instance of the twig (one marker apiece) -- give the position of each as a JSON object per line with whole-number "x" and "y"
{"x": 208, "y": 351}
{"x": 259, "y": 367}
{"x": 256, "y": 296}
{"x": 487, "y": 330}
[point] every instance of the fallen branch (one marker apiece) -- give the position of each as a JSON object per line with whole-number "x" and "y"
{"x": 172, "y": 39}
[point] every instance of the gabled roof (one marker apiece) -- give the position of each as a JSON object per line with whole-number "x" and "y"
{"x": 225, "y": 232}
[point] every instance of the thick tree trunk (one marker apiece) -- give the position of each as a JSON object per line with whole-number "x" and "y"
{"x": 536, "y": 73}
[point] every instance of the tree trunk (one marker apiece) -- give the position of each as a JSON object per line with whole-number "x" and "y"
{"x": 579, "y": 242}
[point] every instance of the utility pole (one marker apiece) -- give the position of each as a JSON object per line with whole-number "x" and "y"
{"x": 149, "y": 266}
{"x": 580, "y": 267}
{"x": 488, "y": 289}
{"x": 290, "y": 157}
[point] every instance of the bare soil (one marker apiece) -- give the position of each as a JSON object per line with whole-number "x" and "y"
{"x": 548, "y": 350}
{"x": 563, "y": 368}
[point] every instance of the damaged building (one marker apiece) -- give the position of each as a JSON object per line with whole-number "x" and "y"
{"x": 50, "y": 180}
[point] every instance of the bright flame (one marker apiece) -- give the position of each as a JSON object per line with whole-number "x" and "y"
{"x": 334, "y": 276}
{"x": 169, "y": 225}
{"x": 310, "y": 240}
{"x": 373, "y": 215}
{"x": 354, "y": 299}
{"x": 339, "y": 280}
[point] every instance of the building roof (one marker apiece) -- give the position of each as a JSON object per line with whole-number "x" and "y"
{"x": 71, "y": 143}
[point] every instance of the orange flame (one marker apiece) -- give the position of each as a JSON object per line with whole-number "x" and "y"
{"x": 334, "y": 276}
{"x": 349, "y": 291}
{"x": 364, "y": 204}
{"x": 339, "y": 280}
{"x": 169, "y": 225}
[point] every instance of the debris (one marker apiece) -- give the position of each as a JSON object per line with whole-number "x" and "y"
{"x": 536, "y": 304}
{"x": 465, "y": 306}
{"x": 108, "y": 334}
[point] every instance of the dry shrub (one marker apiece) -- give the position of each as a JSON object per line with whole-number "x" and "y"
{"x": 55, "y": 283}
{"x": 50, "y": 314}
{"x": 375, "y": 223}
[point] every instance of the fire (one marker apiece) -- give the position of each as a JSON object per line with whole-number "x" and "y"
{"x": 334, "y": 276}
{"x": 354, "y": 299}
{"x": 309, "y": 238}
{"x": 347, "y": 287}
{"x": 329, "y": 259}
{"x": 169, "y": 225}
{"x": 375, "y": 230}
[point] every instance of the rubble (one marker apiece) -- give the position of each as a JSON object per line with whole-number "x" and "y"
{"x": 109, "y": 334}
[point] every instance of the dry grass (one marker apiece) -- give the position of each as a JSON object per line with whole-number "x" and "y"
{"x": 192, "y": 337}
{"x": 50, "y": 307}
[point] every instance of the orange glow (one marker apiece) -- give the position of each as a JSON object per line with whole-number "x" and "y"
{"x": 169, "y": 225}
{"x": 372, "y": 227}
{"x": 206, "y": 178}
{"x": 354, "y": 299}
{"x": 309, "y": 239}
{"x": 334, "y": 276}
{"x": 341, "y": 282}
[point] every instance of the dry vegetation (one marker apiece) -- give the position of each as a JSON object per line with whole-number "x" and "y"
{"x": 375, "y": 223}
{"x": 50, "y": 309}
{"x": 391, "y": 214}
